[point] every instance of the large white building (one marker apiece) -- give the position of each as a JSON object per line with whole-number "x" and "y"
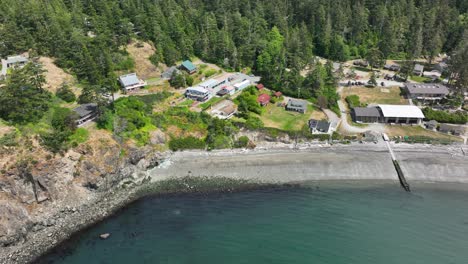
{"x": 390, "y": 114}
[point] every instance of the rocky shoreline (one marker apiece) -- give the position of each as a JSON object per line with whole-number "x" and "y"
{"x": 153, "y": 172}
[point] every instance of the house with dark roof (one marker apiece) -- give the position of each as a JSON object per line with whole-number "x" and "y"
{"x": 320, "y": 127}
{"x": 426, "y": 91}
{"x": 131, "y": 82}
{"x": 86, "y": 113}
{"x": 432, "y": 125}
{"x": 188, "y": 66}
{"x": 167, "y": 74}
{"x": 299, "y": 106}
{"x": 457, "y": 130}
{"x": 418, "y": 69}
{"x": 366, "y": 115}
{"x": 263, "y": 99}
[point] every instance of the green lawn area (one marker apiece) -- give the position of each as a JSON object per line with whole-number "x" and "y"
{"x": 187, "y": 102}
{"x": 278, "y": 117}
{"x": 420, "y": 79}
{"x": 412, "y": 131}
{"x": 377, "y": 95}
{"x": 211, "y": 102}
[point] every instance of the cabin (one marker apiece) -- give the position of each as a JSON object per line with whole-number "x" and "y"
{"x": 131, "y": 82}
{"x": 434, "y": 74}
{"x": 263, "y": 99}
{"x": 426, "y": 91}
{"x": 320, "y": 127}
{"x": 198, "y": 93}
{"x": 278, "y": 94}
{"x": 189, "y": 67}
{"x": 389, "y": 114}
{"x": 86, "y": 113}
{"x": 299, "y": 106}
{"x": 418, "y": 70}
{"x": 260, "y": 86}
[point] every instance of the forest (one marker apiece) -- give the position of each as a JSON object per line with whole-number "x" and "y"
{"x": 277, "y": 39}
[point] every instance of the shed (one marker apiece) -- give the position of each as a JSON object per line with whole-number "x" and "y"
{"x": 260, "y": 86}
{"x": 278, "y": 94}
{"x": 188, "y": 66}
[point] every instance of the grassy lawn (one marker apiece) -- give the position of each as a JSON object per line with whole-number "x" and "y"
{"x": 187, "y": 102}
{"x": 420, "y": 79}
{"x": 278, "y": 117}
{"x": 378, "y": 95}
{"x": 417, "y": 131}
{"x": 211, "y": 102}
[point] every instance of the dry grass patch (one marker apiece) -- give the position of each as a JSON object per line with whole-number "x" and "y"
{"x": 55, "y": 76}
{"x": 417, "y": 131}
{"x": 387, "y": 95}
{"x": 140, "y": 52}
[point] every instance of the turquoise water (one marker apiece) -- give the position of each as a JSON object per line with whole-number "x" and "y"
{"x": 329, "y": 224}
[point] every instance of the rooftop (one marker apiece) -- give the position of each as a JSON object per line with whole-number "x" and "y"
{"x": 404, "y": 111}
{"x": 418, "y": 67}
{"x": 367, "y": 111}
{"x": 263, "y": 98}
{"x": 129, "y": 79}
{"x": 16, "y": 59}
{"x": 85, "y": 109}
{"x": 197, "y": 89}
{"x": 321, "y": 125}
{"x": 297, "y": 103}
{"x": 188, "y": 65}
{"x": 167, "y": 74}
{"x": 427, "y": 88}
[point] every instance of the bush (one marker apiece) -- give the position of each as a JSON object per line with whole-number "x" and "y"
{"x": 56, "y": 141}
{"x": 9, "y": 140}
{"x": 353, "y": 101}
{"x": 210, "y": 72}
{"x": 242, "y": 142}
{"x": 190, "y": 142}
{"x": 253, "y": 123}
{"x": 66, "y": 94}
{"x": 458, "y": 117}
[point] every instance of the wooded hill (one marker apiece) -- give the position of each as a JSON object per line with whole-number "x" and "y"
{"x": 276, "y": 38}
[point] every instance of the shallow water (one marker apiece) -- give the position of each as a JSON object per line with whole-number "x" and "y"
{"x": 338, "y": 223}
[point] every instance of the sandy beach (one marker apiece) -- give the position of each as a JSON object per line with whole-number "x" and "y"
{"x": 341, "y": 162}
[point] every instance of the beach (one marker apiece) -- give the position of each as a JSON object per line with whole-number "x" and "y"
{"x": 284, "y": 164}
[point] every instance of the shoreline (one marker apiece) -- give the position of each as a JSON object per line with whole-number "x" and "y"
{"x": 282, "y": 166}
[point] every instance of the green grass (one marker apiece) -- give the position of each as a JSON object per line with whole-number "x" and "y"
{"x": 420, "y": 79}
{"x": 187, "y": 103}
{"x": 278, "y": 117}
{"x": 80, "y": 136}
{"x": 211, "y": 102}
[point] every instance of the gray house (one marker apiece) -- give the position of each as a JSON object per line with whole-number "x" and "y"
{"x": 297, "y": 106}
{"x": 456, "y": 130}
{"x": 426, "y": 91}
{"x": 418, "y": 70}
{"x": 86, "y": 113}
{"x": 366, "y": 115}
{"x": 167, "y": 75}
{"x": 320, "y": 126}
{"x": 131, "y": 82}
{"x": 17, "y": 61}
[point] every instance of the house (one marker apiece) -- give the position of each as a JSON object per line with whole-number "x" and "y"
{"x": 457, "y": 130}
{"x": 432, "y": 125}
{"x": 418, "y": 70}
{"x": 263, "y": 99}
{"x": 17, "y": 61}
{"x": 426, "y": 91}
{"x": 278, "y": 94}
{"x": 432, "y": 74}
{"x": 198, "y": 94}
{"x": 167, "y": 74}
{"x": 390, "y": 114}
{"x": 366, "y": 115}
{"x": 208, "y": 84}
{"x": 392, "y": 67}
{"x": 361, "y": 63}
{"x": 225, "y": 110}
{"x": 229, "y": 89}
{"x": 86, "y": 113}
{"x": 320, "y": 127}
{"x": 242, "y": 85}
{"x": 188, "y": 67}
{"x": 297, "y": 106}
{"x": 260, "y": 86}
{"x": 131, "y": 82}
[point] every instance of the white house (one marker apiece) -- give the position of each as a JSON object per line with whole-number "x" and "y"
{"x": 198, "y": 93}
{"x": 242, "y": 85}
{"x": 131, "y": 82}
{"x": 17, "y": 61}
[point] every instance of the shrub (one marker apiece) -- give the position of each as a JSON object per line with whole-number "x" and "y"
{"x": 353, "y": 101}
{"x": 210, "y": 72}
{"x": 253, "y": 123}
{"x": 66, "y": 94}
{"x": 242, "y": 142}
{"x": 458, "y": 117}
{"x": 190, "y": 142}
{"x": 9, "y": 140}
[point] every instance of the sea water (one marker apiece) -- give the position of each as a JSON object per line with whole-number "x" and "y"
{"x": 338, "y": 223}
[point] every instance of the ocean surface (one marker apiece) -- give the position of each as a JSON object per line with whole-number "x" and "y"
{"x": 323, "y": 223}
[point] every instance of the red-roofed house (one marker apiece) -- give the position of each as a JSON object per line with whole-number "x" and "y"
{"x": 263, "y": 99}
{"x": 278, "y": 94}
{"x": 260, "y": 86}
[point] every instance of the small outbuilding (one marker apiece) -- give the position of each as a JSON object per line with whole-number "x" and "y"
{"x": 260, "y": 86}
{"x": 188, "y": 66}
{"x": 278, "y": 94}
{"x": 299, "y": 106}
{"x": 418, "y": 70}
{"x": 432, "y": 125}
